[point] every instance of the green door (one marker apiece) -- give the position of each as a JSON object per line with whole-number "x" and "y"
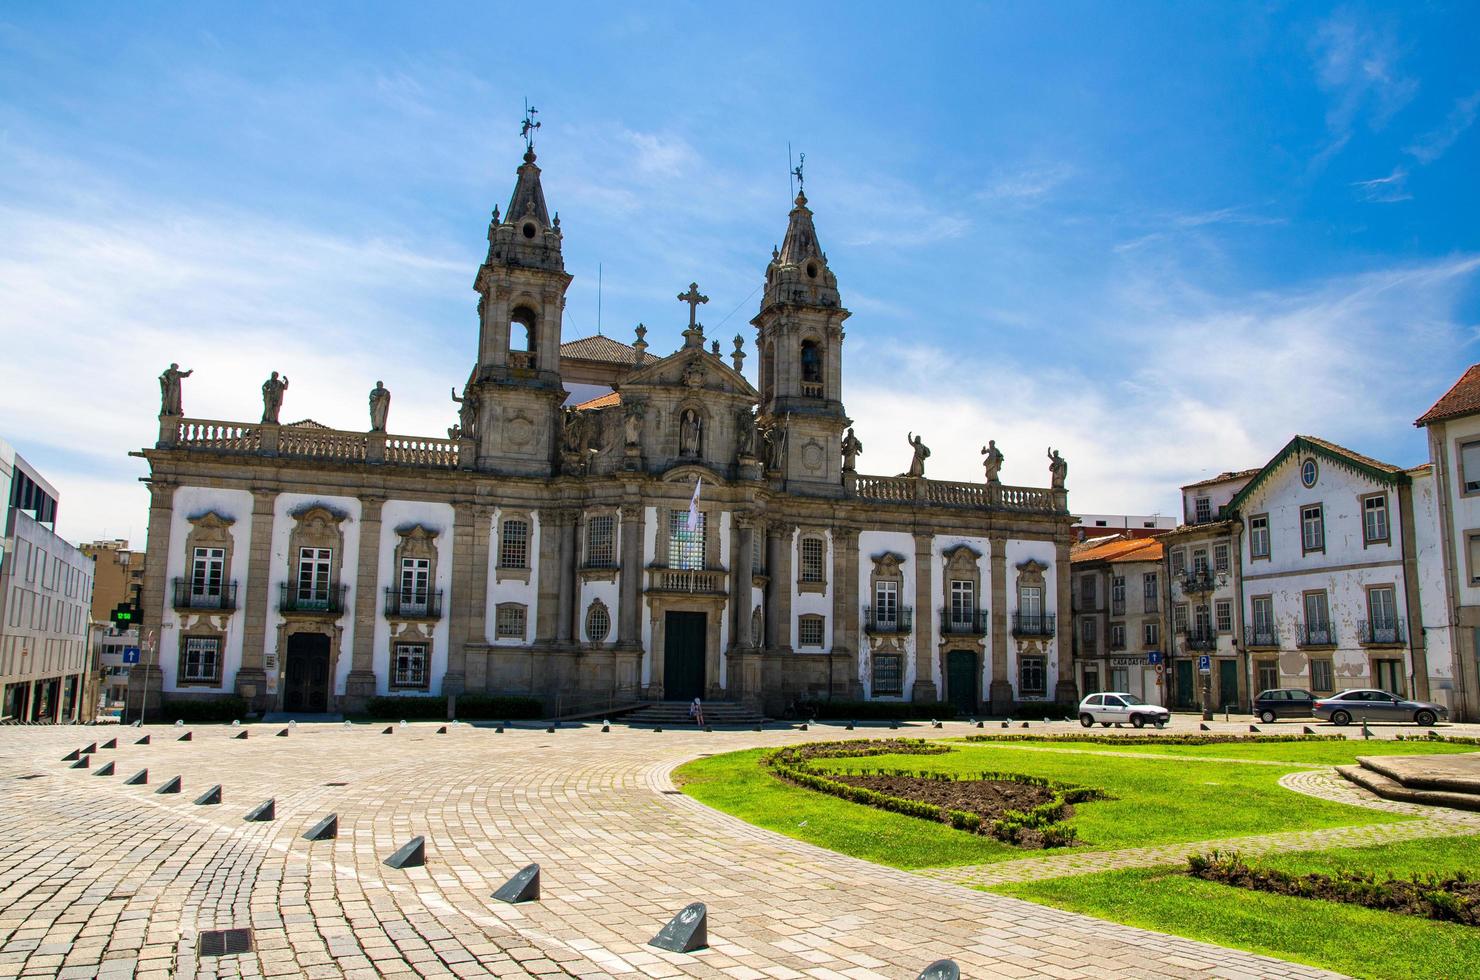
{"x": 1184, "y": 684}
{"x": 1227, "y": 683}
{"x": 961, "y": 681}
{"x": 683, "y": 655}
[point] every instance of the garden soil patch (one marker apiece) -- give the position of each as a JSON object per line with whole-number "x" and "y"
{"x": 988, "y": 798}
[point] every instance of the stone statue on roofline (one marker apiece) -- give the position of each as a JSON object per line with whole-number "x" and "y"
{"x": 169, "y": 390}
{"x": 467, "y": 413}
{"x": 1058, "y": 470}
{"x": 922, "y": 453}
{"x": 852, "y": 449}
{"x": 380, "y": 406}
{"x": 272, "y": 397}
{"x": 992, "y": 464}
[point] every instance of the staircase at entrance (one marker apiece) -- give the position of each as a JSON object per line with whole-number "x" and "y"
{"x": 675, "y": 714}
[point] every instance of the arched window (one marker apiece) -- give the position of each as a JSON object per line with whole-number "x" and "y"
{"x": 811, "y": 369}
{"x": 522, "y": 329}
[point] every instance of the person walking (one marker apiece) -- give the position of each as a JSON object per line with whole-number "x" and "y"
{"x": 696, "y": 712}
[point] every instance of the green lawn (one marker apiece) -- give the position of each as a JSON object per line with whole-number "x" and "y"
{"x": 1353, "y": 940}
{"x": 1156, "y": 801}
{"x": 1296, "y": 753}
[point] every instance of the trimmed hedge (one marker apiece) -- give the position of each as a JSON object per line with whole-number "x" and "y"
{"x": 791, "y": 764}
{"x": 476, "y": 707}
{"x": 229, "y": 708}
{"x": 1436, "y": 737}
{"x": 876, "y": 710}
{"x": 1157, "y": 739}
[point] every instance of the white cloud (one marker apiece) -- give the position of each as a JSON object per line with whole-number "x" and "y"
{"x": 1433, "y": 144}
{"x": 1357, "y": 64}
{"x": 1384, "y": 190}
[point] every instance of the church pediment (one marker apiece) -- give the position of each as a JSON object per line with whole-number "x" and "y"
{"x": 691, "y": 369}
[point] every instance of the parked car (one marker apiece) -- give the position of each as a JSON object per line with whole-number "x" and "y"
{"x": 1113, "y": 707}
{"x": 1284, "y": 702}
{"x": 1366, "y": 704}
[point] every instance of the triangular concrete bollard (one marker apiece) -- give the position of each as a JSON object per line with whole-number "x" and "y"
{"x": 137, "y": 779}
{"x": 262, "y": 812}
{"x": 935, "y": 724}
{"x": 941, "y": 970}
{"x": 81, "y": 763}
{"x": 606, "y": 728}
{"x": 210, "y": 797}
{"x": 657, "y": 729}
{"x": 389, "y": 730}
{"x": 893, "y": 725}
{"x": 442, "y": 730}
{"x": 112, "y": 743}
{"x": 173, "y": 786}
{"x": 411, "y": 854}
{"x": 241, "y": 734}
{"x": 143, "y": 741}
{"x": 685, "y": 932}
{"x": 1253, "y": 728}
{"x": 325, "y": 829}
{"x": 848, "y": 727}
{"x": 1006, "y": 724}
{"x": 282, "y": 734}
{"x": 803, "y": 726}
{"x": 1025, "y": 724}
{"x": 72, "y": 756}
{"x": 1307, "y": 730}
{"x": 523, "y": 887}
{"x": 91, "y": 748}
{"x": 106, "y": 769}
{"x": 499, "y": 730}
{"x": 981, "y": 724}
{"x": 184, "y": 738}
{"x": 550, "y": 730}
{"x": 1203, "y": 727}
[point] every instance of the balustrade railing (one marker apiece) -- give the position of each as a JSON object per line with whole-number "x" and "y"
{"x": 812, "y": 389}
{"x": 904, "y": 489}
{"x": 416, "y": 451}
{"x": 522, "y": 360}
{"x": 234, "y": 437}
{"x": 321, "y": 444}
{"x": 700, "y": 581}
{"x": 886, "y": 488}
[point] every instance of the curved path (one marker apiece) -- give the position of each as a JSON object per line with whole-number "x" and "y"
{"x": 102, "y": 879}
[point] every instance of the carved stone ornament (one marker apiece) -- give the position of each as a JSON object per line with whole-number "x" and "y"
{"x": 888, "y": 564}
{"x": 694, "y": 376}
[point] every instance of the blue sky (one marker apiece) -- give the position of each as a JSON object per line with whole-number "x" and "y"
{"x": 1161, "y": 237}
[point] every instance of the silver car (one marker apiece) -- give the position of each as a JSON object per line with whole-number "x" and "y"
{"x": 1369, "y": 704}
{"x": 1113, "y": 707}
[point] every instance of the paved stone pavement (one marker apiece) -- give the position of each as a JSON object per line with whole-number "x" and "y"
{"x": 102, "y": 879}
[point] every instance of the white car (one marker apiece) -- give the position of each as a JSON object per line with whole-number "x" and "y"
{"x": 1114, "y": 707}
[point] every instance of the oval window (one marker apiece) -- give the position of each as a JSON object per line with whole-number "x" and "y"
{"x": 1309, "y": 472}
{"x": 528, "y": 229}
{"x": 811, "y": 270}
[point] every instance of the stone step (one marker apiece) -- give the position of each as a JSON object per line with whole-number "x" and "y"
{"x": 676, "y": 713}
{"x": 1441, "y": 773}
{"x": 1391, "y": 789}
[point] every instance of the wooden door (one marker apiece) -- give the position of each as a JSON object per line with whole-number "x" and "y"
{"x": 684, "y": 638}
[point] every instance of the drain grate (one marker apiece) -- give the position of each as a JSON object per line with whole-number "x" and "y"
{"x": 225, "y": 942}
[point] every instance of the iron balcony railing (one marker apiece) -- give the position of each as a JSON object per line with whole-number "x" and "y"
{"x": 887, "y": 619}
{"x": 1117, "y": 607}
{"x": 1317, "y": 635}
{"x": 1261, "y": 636}
{"x": 413, "y": 603}
{"x": 963, "y": 622}
{"x": 1199, "y": 580}
{"x": 223, "y": 597}
{"x": 1382, "y": 631}
{"x": 1032, "y": 624}
{"x": 328, "y": 600}
{"x": 1201, "y": 639}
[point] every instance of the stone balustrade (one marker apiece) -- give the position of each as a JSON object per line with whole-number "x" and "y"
{"x": 307, "y": 442}
{"x": 687, "y": 581}
{"x": 942, "y": 493}
{"x": 235, "y": 437}
{"x": 331, "y": 444}
{"x": 417, "y": 451}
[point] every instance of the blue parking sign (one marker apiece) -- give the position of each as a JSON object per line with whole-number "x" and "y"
{"x": 1205, "y": 664}
{"x": 130, "y": 655}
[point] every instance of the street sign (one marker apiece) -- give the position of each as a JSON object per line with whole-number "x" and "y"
{"x": 130, "y": 655}
{"x": 1205, "y": 664}
{"x": 1153, "y": 657}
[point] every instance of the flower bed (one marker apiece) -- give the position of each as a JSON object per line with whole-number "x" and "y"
{"x": 1158, "y": 739}
{"x": 1455, "y": 899}
{"x": 1012, "y": 807}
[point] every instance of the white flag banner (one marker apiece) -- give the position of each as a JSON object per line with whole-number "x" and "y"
{"x": 693, "y": 520}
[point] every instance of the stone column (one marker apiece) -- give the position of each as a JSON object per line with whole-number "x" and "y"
{"x": 629, "y": 611}
{"x": 548, "y": 598}
{"x": 360, "y": 685}
{"x": 251, "y": 678}
{"x": 565, "y": 611}
{"x": 1000, "y": 691}
{"x": 1066, "y": 691}
{"x": 924, "y": 689}
{"x": 778, "y": 586}
{"x": 145, "y": 682}
{"x": 844, "y": 670}
{"x": 465, "y": 533}
{"x": 742, "y": 539}
{"x": 470, "y": 605}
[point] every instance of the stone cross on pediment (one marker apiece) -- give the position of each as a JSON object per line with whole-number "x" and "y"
{"x": 693, "y": 298}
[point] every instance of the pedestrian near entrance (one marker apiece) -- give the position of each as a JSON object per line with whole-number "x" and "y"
{"x": 696, "y": 712}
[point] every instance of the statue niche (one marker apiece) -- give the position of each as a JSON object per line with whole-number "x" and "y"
{"x": 690, "y": 433}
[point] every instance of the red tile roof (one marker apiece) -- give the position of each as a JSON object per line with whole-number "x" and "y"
{"x": 1223, "y": 477}
{"x": 598, "y": 348}
{"x": 1121, "y": 549}
{"x": 602, "y": 401}
{"x": 1462, "y": 399}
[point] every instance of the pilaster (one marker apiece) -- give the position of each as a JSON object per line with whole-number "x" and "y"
{"x": 145, "y": 683}
{"x": 361, "y": 685}
{"x": 924, "y": 689}
{"x": 844, "y": 608}
{"x": 251, "y": 678}
{"x": 778, "y": 586}
{"x": 467, "y": 602}
{"x": 1066, "y": 691}
{"x": 565, "y": 609}
{"x": 999, "y": 692}
{"x": 629, "y": 613}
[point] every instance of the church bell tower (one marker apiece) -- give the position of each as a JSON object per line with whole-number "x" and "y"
{"x": 515, "y": 389}
{"x": 800, "y": 339}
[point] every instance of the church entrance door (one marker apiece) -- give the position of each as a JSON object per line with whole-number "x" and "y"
{"x": 961, "y": 681}
{"x": 684, "y": 636}
{"x": 306, "y": 679}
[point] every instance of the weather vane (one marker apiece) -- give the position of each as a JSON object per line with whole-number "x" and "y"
{"x": 529, "y": 125}
{"x": 797, "y": 171}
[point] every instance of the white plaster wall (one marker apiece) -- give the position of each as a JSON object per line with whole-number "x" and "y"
{"x": 1017, "y": 552}
{"x": 396, "y": 514}
{"x": 193, "y": 502}
{"x": 511, "y": 589}
{"x": 870, "y": 544}
{"x": 1433, "y": 585}
{"x": 1344, "y": 570}
{"x": 282, "y": 567}
{"x": 1465, "y": 510}
{"x": 938, "y": 548}
{"x": 809, "y": 603}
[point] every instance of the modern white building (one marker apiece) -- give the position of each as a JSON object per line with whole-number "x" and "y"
{"x": 45, "y": 595}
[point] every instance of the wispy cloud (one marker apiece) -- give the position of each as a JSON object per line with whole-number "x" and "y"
{"x": 1384, "y": 190}
{"x": 1357, "y": 64}
{"x": 1433, "y": 144}
{"x": 1025, "y": 185}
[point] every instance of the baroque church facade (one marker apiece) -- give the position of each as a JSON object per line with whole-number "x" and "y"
{"x": 680, "y": 534}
